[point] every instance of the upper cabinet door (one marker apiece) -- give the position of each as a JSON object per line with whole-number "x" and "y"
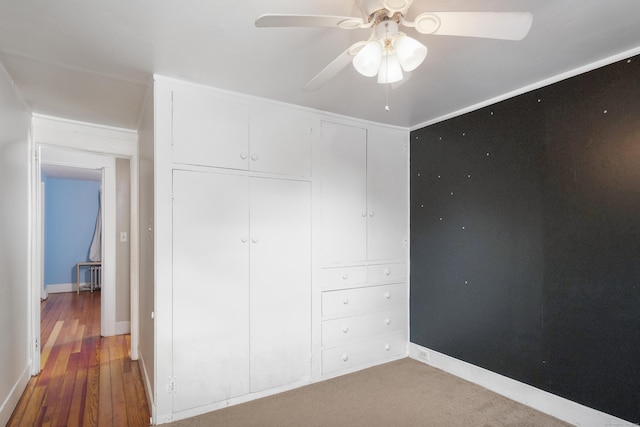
{"x": 210, "y": 128}
{"x": 280, "y": 140}
{"x": 344, "y": 187}
{"x": 387, "y": 195}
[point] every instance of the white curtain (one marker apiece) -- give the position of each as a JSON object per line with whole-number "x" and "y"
{"x": 95, "y": 252}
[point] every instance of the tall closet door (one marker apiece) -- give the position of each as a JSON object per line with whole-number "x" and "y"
{"x": 210, "y": 288}
{"x": 387, "y": 195}
{"x": 344, "y": 187}
{"x": 280, "y": 282}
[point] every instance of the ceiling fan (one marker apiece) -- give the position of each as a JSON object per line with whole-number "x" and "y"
{"x": 388, "y": 52}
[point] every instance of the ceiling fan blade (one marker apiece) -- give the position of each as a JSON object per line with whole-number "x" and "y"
{"x": 346, "y": 22}
{"x": 492, "y": 25}
{"x": 334, "y": 67}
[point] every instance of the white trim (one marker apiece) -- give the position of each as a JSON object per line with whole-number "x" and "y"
{"x": 12, "y": 399}
{"x": 147, "y": 390}
{"x": 84, "y": 136}
{"x": 58, "y": 288}
{"x": 542, "y": 83}
{"x": 556, "y": 406}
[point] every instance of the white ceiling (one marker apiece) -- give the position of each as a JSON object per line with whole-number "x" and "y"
{"x": 93, "y": 60}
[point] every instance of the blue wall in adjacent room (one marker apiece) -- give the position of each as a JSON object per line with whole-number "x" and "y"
{"x": 71, "y": 208}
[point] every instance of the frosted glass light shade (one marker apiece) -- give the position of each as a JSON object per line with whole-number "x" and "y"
{"x": 367, "y": 61}
{"x": 410, "y": 52}
{"x": 390, "y": 70}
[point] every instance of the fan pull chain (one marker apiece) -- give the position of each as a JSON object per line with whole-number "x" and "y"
{"x": 386, "y": 90}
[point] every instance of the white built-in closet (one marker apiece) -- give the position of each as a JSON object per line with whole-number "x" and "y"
{"x": 287, "y": 230}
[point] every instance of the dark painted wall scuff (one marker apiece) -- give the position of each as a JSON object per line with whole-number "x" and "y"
{"x": 525, "y": 238}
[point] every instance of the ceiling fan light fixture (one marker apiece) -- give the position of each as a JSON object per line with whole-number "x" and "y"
{"x": 390, "y": 70}
{"x": 427, "y": 23}
{"x": 367, "y": 61}
{"x": 396, "y": 5}
{"x": 410, "y": 52}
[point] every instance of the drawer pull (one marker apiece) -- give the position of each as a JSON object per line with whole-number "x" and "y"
{"x": 387, "y": 347}
{"x": 345, "y": 329}
{"x": 387, "y": 295}
{"x": 345, "y": 301}
{"x": 387, "y": 321}
{"x": 345, "y": 357}
{"x": 387, "y": 272}
{"x": 345, "y": 276}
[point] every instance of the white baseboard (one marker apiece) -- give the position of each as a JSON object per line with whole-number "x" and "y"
{"x": 556, "y": 406}
{"x": 9, "y": 404}
{"x": 147, "y": 390}
{"x": 123, "y": 328}
{"x": 59, "y": 288}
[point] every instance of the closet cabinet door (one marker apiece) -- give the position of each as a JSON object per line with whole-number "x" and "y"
{"x": 280, "y": 140}
{"x": 344, "y": 188}
{"x": 210, "y": 128}
{"x": 210, "y": 288}
{"x": 387, "y": 195}
{"x": 280, "y": 282}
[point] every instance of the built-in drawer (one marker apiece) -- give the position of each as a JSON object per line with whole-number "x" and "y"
{"x": 346, "y": 330}
{"x": 363, "y": 300}
{"x": 377, "y": 349}
{"x": 387, "y": 273}
{"x": 341, "y": 277}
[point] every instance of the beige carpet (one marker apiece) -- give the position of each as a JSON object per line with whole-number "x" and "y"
{"x": 400, "y": 393}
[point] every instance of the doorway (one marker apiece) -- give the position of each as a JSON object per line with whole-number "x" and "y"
{"x": 82, "y": 163}
{"x": 70, "y": 144}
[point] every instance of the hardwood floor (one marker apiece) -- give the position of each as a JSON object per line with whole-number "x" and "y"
{"x": 86, "y": 380}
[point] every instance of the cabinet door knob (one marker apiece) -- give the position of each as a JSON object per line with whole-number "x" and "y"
{"x": 371, "y": 214}
{"x": 345, "y": 329}
{"x": 345, "y": 357}
{"x": 254, "y": 157}
{"x": 364, "y": 214}
{"x": 387, "y": 347}
{"x": 387, "y": 295}
{"x": 387, "y": 321}
{"x": 345, "y": 301}
{"x": 387, "y": 272}
{"x": 255, "y": 239}
{"x": 243, "y": 239}
{"x": 243, "y": 155}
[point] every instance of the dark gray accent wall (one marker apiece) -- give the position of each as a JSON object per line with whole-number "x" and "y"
{"x": 525, "y": 238}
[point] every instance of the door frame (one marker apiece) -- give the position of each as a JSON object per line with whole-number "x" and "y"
{"x": 79, "y": 144}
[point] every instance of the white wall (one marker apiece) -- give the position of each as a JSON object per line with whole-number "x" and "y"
{"x": 15, "y": 209}
{"x": 146, "y": 295}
